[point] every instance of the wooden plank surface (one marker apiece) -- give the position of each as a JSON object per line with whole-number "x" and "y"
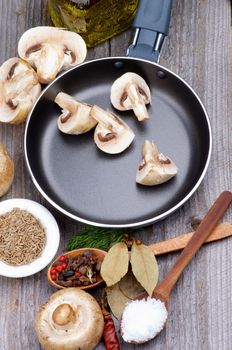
{"x": 199, "y": 49}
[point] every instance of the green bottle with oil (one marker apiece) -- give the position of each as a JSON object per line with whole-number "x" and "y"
{"x": 95, "y": 20}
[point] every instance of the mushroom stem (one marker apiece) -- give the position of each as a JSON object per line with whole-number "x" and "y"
{"x": 48, "y": 61}
{"x": 22, "y": 82}
{"x": 107, "y": 119}
{"x": 137, "y": 102}
{"x": 66, "y": 102}
{"x": 149, "y": 151}
{"x": 63, "y": 315}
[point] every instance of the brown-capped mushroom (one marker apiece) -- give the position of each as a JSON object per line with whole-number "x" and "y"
{"x": 71, "y": 319}
{"x": 155, "y": 168}
{"x": 19, "y": 89}
{"x": 112, "y": 135}
{"x": 6, "y": 170}
{"x": 130, "y": 91}
{"x": 75, "y": 118}
{"x": 50, "y": 50}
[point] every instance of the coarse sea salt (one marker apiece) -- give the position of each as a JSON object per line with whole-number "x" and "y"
{"x": 143, "y": 319}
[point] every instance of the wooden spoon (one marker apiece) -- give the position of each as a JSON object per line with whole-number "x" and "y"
{"x": 163, "y": 290}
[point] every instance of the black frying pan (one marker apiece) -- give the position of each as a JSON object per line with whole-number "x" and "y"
{"x": 96, "y": 188}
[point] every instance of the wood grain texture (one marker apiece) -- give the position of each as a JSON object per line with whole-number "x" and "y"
{"x": 199, "y": 49}
{"x": 221, "y": 231}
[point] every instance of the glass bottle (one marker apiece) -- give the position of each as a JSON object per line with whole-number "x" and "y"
{"x": 95, "y": 20}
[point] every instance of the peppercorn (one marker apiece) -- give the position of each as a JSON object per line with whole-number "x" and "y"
{"x": 78, "y": 273}
{"x": 53, "y": 277}
{"x": 62, "y": 258}
{"x": 59, "y": 268}
{"x": 68, "y": 273}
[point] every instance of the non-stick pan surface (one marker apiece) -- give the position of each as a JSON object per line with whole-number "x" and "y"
{"x": 94, "y": 187}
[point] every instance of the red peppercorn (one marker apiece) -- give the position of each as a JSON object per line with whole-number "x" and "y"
{"x": 53, "y": 277}
{"x": 64, "y": 266}
{"x": 53, "y": 271}
{"x": 78, "y": 274}
{"x": 62, "y": 258}
{"x": 59, "y": 268}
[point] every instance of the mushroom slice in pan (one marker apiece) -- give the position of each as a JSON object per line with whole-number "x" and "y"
{"x": 75, "y": 118}
{"x": 155, "y": 168}
{"x": 50, "y": 50}
{"x": 112, "y": 135}
{"x": 130, "y": 91}
{"x": 19, "y": 89}
{"x": 71, "y": 319}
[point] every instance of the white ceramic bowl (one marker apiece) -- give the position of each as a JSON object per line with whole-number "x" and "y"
{"x": 52, "y": 237}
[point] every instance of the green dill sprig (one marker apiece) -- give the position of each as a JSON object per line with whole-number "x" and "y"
{"x": 95, "y": 237}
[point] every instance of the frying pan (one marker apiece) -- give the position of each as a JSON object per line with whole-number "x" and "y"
{"x": 99, "y": 189}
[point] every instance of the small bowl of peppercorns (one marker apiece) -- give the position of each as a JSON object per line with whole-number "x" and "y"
{"x": 78, "y": 268}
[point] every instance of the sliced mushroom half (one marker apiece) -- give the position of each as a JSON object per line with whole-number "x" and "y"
{"x": 19, "y": 89}
{"x": 71, "y": 319}
{"x": 112, "y": 135}
{"x": 131, "y": 91}
{"x": 50, "y": 50}
{"x": 75, "y": 118}
{"x": 6, "y": 170}
{"x": 155, "y": 168}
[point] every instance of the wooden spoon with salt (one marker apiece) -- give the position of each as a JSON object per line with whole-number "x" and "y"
{"x": 163, "y": 290}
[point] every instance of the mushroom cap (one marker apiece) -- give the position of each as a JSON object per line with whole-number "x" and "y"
{"x": 112, "y": 135}
{"x": 71, "y": 320}
{"x": 155, "y": 168}
{"x": 6, "y": 170}
{"x": 75, "y": 118}
{"x": 71, "y": 49}
{"x": 18, "y": 114}
{"x": 119, "y": 97}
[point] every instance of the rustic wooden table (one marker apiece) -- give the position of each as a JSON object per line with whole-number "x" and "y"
{"x": 199, "y": 49}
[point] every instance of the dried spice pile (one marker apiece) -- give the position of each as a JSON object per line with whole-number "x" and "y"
{"x": 22, "y": 237}
{"x": 76, "y": 271}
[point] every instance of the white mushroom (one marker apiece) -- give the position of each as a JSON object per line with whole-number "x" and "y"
{"x": 50, "y": 50}
{"x": 130, "y": 91}
{"x": 71, "y": 319}
{"x": 75, "y": 118}
{"x": 19, "y": 89}
{"x": 155, "y": 168}
{"x": 112, "y": 135}
{"x": 6, "y": 170}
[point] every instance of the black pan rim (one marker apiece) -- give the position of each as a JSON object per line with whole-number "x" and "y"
{"x": 134, "y": 224}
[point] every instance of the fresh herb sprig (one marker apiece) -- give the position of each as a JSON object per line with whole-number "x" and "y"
{"x": 95, "y": 237}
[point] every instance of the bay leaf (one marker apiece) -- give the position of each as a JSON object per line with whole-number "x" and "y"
{"x": 116, "y": 300}
{"x": 129, "y": 286}
{"x": 115, "y": 264}
{"x": 144, "y": 266}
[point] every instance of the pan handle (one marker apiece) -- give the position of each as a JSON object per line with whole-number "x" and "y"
{"x": 151, "y": 26}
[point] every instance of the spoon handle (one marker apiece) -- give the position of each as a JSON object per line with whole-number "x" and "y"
{"x": 221, "y": 231}
{"x": 201, "y": 234}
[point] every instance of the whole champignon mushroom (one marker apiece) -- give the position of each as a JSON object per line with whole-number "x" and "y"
{"x": 155, "y": 168}
{"x": 50, "y": 50}
{"x": 112, "y": 135}
{"x": 71, "y": 320}
{"x": 19, "y": 89}
{"x": 75, "y": 118}
{"x": 6, "y": 170}
{"x": 130, "y": 91}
